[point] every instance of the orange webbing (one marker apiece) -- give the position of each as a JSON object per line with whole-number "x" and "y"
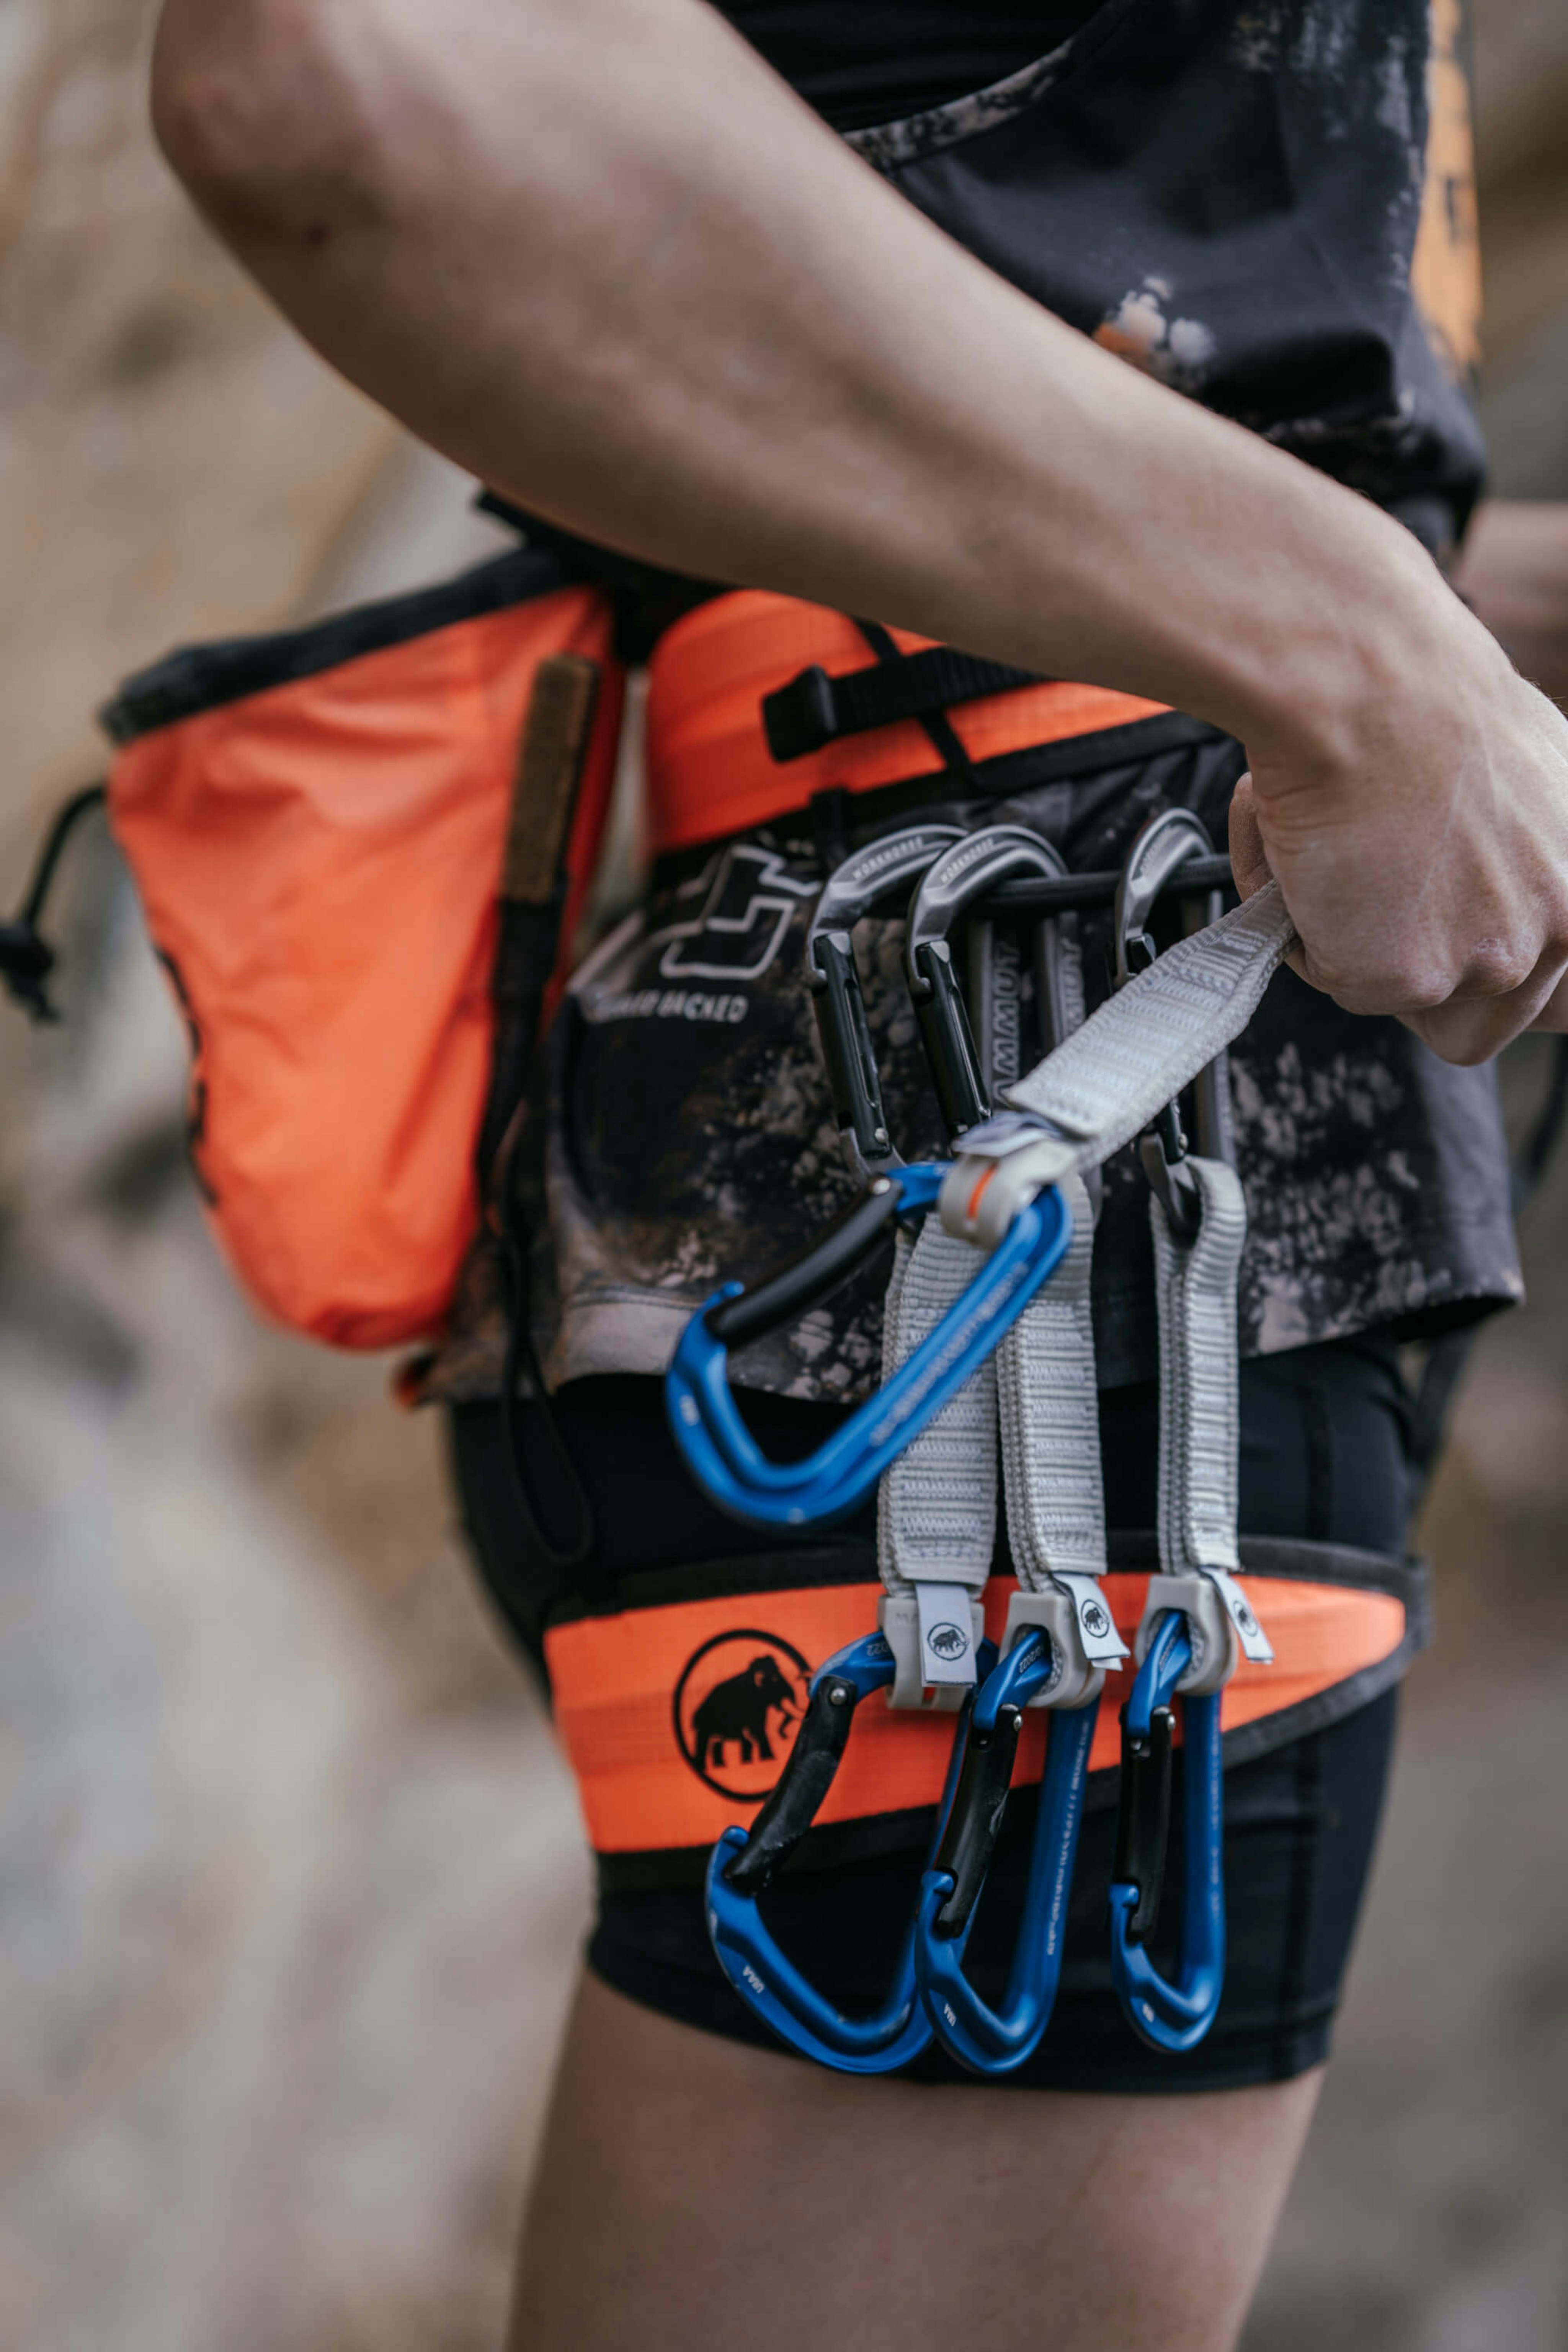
{"x": 629, "y": 1692}
{"x": 319, "y": 862}
{"x": 710, "y": 771}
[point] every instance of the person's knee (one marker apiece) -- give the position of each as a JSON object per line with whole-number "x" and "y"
{"x": 262, "y": 111}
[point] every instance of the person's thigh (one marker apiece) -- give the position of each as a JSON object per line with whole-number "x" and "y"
{"x": 693, "y": 2194}
{"x": 696, "y": 2189}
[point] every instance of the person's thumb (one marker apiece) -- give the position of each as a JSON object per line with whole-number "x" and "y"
{"x": 1248, "y": 858}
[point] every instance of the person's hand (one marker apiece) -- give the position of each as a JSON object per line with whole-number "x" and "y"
{"x": 1420, "y": 838}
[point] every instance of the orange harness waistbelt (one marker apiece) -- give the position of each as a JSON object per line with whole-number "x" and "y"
{"x": 676, "y": 1719}
{"x": 710, "y": 772}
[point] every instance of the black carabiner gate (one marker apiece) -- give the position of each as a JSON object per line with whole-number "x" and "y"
{"x": 883, "y": 870}
{"x": 971, "y": 870}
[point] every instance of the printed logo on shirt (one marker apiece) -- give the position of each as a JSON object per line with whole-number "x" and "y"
{"x": 665, "y": 1004}
{"x": 738, "y": 1706}
{"x": 750, "y": 900}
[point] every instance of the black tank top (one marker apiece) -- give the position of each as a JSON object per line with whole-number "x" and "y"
{"x": 883, "y": 58}
{"x": 1267, "y": 203}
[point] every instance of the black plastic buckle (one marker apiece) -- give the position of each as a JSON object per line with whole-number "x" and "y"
{"x": 802, "y": 716}
{"x": 1143, "y": 1819}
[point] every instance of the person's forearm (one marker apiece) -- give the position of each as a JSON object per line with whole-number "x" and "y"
{"x": 598, "y": 253}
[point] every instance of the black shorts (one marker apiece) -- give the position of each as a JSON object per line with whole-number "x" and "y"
{"x": 1324, "y": 1457}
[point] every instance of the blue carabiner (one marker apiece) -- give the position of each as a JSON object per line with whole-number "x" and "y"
{"x": 1174, "y": 2017}
{"x": 744, "y": 1862}
{"x": 988, "y": 2040}
{"x": 830, "y": 1483}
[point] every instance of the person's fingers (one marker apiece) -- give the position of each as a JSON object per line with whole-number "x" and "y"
{"x": 1248, "y": 858}
{"x": 1470, "y": 1029}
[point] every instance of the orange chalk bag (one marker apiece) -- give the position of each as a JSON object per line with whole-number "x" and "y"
{"x": 360, "y": 847}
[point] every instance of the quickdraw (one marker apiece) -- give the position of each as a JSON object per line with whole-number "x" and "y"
{"x": 1174, "y": 2017}
{"x": 1101, "y": 1088}
{"x": 744, "y": 1864}
{"x": 994, "y": 2041}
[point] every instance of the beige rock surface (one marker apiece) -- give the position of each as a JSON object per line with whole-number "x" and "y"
{"x": 291, "y": 1882}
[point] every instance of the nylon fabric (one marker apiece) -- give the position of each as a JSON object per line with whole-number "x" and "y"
{"x": 1110, "y": 1079}
{"x": 319, "y": 864}
{"x": 936, "y": 1518}
{"x": 1048, "y": 1404}
{"x": 1199, "y": 1376}
{"x": 709, "y": 770}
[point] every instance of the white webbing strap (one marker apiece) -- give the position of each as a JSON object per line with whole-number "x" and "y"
{"x": 1049, "y": 1407}
{"x": 1199, "y": 1432}
{"x": 936, "y": 1511}
{"x": 1132, "y": 1057}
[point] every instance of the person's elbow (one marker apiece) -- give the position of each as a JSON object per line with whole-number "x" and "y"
{"x": 262, "y": 115}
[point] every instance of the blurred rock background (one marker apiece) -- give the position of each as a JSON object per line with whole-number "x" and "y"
{"x": 289, "y": 1878}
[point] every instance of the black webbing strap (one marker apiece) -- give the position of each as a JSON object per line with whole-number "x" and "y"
{"x": 818, "y": 708}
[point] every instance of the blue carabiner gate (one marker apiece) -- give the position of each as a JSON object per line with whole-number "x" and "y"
{"x": 830, "y": 1483}
{"x": 1174, "y": 2017}
{"x": 988, "y": 2040}
{"x": 744, "y": 1864}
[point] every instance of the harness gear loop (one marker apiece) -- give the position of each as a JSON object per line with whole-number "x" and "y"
{"x": 744, "y": 1864}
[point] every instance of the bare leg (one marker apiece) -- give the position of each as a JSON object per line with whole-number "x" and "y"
{"x": 693, "y": 2193}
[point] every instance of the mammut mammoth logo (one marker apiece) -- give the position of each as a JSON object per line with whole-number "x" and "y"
{"x": 737, "y": 1706}
{"x": 947, "y": 1642}
{"x": 750, "y": 900}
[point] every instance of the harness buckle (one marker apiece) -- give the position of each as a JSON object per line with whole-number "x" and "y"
{"x": 800, "y": 717}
